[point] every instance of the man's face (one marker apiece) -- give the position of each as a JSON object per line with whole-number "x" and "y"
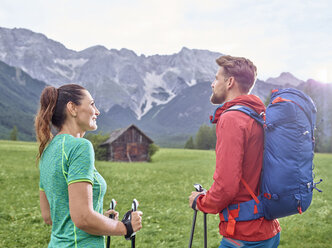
{"x": 219, "y": 89}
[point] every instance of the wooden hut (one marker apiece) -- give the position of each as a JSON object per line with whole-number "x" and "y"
{"x": 128, "y": 144}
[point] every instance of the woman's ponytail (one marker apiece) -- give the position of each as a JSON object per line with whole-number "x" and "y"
{"x": 43, "y": 121}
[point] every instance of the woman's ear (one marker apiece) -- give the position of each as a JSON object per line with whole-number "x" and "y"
{"x": 72, "y": 109}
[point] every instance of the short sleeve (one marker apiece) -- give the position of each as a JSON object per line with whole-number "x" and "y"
{"x": 41, "y": 188}
{"x": 81, "y": 163}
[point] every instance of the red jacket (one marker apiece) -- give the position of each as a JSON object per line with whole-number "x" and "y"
{"x": 239, "y": 153}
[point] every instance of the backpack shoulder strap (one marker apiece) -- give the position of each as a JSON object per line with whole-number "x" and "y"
{"x": 249, "y": 111}
{"x": 255, "y": 211}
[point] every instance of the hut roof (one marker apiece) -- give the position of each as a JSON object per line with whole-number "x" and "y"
{"x": 118, "y": 132}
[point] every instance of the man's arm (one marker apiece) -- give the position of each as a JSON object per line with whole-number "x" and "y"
{"x": 229, "y": 157}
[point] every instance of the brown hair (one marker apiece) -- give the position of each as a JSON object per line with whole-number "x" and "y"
{"x": 242, "y": 69}
{"x": 52, "y": 111}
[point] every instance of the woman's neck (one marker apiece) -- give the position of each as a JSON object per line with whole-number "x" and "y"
{"x": 72, "y": 131}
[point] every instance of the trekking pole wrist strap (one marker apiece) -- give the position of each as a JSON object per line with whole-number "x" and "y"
{"x": 129, "y": 228}
{"x": 195, "y": 202}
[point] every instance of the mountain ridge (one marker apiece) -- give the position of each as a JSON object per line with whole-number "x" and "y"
{"x": 165, "y": 95}
{"x": 142, "y": 81}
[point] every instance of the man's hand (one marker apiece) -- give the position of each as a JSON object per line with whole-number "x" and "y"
{"x": 192, "y": 198}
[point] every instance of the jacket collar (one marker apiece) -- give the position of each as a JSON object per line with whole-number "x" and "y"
{"x": 251, "y": 101}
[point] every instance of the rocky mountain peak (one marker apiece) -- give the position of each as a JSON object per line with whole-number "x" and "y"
{"x": 285, "y": 79}
{"x": 118, "y": 77}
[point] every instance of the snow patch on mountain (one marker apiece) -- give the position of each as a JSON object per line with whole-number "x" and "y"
{"x": 156, "y": 92}
{"x": 192, "y": 82}
{"x": 71, "y": 63}
{"x": 58, "y": 71}
{"x": 2, "y": 55}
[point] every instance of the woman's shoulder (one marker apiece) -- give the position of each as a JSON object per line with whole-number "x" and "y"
{"x": 70, "y": 142}
{"x": 77, "y": 142}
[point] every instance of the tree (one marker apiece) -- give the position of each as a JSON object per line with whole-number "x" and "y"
{"x": 267, "y": 100}
{"x": 96, "y": 140}
{"x": 190, "y": 143}
{"x": 213, "y": 136}
{"x": 205, "y": 138}
{"x": 13, "y": 133}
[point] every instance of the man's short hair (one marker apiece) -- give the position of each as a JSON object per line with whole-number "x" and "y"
{"x": 242, "y": 69}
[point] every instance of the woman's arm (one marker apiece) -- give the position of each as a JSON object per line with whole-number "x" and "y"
{"x": 90, "y": 221}
{"x": 45, "y": 208}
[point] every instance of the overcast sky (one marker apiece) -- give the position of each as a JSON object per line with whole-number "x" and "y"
{"x": 277, "y": 35}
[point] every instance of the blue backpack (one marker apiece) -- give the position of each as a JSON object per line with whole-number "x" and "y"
{"x": 287, "y": 175}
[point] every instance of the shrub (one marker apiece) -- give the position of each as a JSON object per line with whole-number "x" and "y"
{"x": 153, "y": 148}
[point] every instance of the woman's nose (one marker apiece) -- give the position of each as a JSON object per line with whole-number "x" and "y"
{"x": 97, "y": 111}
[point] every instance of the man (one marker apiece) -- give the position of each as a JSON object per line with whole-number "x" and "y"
{"x": 239, "y": 154}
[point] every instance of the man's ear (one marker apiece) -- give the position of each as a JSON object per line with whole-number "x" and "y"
{"x": 231, "y": 82}
{"x": 72, "y": 109}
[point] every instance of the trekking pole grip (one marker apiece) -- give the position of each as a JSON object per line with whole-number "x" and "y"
{"x": 111, "y": 216}
{"x": 134, "y": 207}
{"x": 112, "y": 207}
{"x": 198, "y": 188}
{"x": 127, "y": 221}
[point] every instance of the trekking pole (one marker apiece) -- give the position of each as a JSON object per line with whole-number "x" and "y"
{"x": 205, "y": 222}
{"x": 205, "y": 232}
{"x": 134, "y": 207}
{"x": 192, "y": 229}
{"x": 198, "y": 188}
{"x": 112, "y": 207}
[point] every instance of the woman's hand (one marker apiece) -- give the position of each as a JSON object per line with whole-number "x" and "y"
{"x": 45, "y": 208}
{"x": 111, "y": 211}
{"x": 136, "y": 220}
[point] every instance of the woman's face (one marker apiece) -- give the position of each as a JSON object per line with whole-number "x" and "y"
{"x": 87, "y": 113}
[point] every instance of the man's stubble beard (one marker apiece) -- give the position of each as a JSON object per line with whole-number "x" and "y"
{"x": 215, "y": 100}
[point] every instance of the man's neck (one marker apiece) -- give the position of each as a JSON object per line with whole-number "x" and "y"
{"x": 234, "y": 94}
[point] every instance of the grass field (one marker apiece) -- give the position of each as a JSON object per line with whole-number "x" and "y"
{"x": 162, "y": 188}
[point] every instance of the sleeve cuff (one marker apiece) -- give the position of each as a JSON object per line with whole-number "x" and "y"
{"x": 80, "y": 180}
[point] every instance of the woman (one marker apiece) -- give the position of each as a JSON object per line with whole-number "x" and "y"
{"x": 71, "y": 189}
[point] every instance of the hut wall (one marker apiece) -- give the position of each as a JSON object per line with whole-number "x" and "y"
{"x": 130, "y": 146}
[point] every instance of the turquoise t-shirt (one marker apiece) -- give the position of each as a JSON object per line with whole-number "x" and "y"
{"x": 68, "y": 160}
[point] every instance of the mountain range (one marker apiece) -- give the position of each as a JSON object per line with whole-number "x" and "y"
{"x": 167, "y": 96}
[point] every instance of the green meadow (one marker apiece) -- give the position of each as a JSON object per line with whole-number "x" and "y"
{"x": 162, "y": 187}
